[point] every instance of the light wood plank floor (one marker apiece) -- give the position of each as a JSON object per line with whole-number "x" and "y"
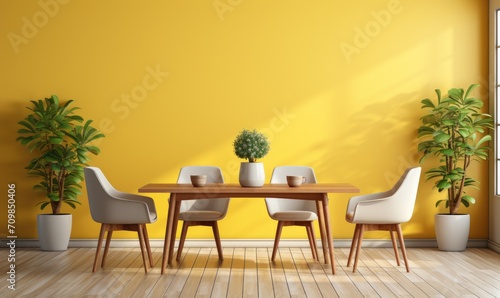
{"x": 248, "y": 272}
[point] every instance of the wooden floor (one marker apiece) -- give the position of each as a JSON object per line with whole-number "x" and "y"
{"x": 248, "y": 272}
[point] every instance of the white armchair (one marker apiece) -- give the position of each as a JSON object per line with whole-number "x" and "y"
{"x": 384, "y": 211}
{"x": 203, "y": 212}
{"x": 292, "y": 212}
{"x": 116, "y": 210}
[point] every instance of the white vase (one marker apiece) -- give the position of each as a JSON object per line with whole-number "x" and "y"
{"x": 452, "y": 231}
{"x": 54, "y": 231}
{"x": 252, "y": 174}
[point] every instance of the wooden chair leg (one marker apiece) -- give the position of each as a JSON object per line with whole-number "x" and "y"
{"x": 395, "y": 246}
{"x": 98, "y": 249}
{"x": 311, "y": 244}
{"x": 402, "y": 245}
{"x": 143, "y": 242}
{"x": 215, "y": 229}
{"x": 143, "y": 249}
{"x": 185, "y": 226}
{"x": 357, "y": 241}
{"x": 148, "y": 246}
{"x": 322, "y": 231}
{"x": 277, "y": 240}
{"x": 312, "y": 240}
{"x": 353, "y": 244}
{"x": 358, "y": 246}
{"x": 106, "y": 246}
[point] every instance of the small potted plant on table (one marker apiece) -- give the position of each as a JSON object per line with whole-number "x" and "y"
{"x": 251, "y": 145}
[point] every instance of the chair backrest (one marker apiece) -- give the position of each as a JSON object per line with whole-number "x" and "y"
{"x": 393, "y": 206}
{"x": 281, "y": 205}
{"x": 214, "y": 175}
{"x": 404, "y": 193}
{"x": 99, "y": 192}
{"x": 108, "y": 205}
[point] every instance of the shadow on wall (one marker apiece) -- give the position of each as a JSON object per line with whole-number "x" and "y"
{"x": 372, "y": 133}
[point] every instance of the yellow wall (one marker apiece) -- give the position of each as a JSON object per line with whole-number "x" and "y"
{"x": 335, "y": 84}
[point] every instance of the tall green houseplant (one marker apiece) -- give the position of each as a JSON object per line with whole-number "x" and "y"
{"x": 61, "y": 141}
{"x": 455, "y": 131}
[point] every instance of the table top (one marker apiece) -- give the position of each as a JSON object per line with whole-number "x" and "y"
{"x": 234, "y": 189}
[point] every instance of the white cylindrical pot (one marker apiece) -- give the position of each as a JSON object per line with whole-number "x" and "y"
{"x": 252, "y": 174}
{"x": 452, "y": 231}
{"x": 54, "y": 231}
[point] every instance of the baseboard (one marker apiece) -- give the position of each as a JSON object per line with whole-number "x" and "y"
{"x": 494, "y": 246}
{"x": 338, "y": 243}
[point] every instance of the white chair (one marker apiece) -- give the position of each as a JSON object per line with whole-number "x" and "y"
{"x": 116, "y": 210}
{"x": 292, "y": 212}
{"x": 384, "y": 211}
{"x": 203, "y": 212}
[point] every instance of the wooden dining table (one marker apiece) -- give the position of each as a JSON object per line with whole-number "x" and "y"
{"x": 317, "y": 192}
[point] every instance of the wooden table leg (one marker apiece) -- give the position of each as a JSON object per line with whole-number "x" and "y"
{"x": 168, "y": 232}
{"x": 328, "y": 231}
{"x": 321, "y": 222}
{"x": 175, "y": 220}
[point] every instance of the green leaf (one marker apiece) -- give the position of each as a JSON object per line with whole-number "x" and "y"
{"x": 484, "y": 139}
{"x": 443, "y": 184}
{"x": 27, "y": 140}
{"x": 55, "y": 99}
{"x": 95, "y": 137}
{"x": 441, "y": 137}
{"x": 438, "y": 93}
{"x": 466, "y": 200}
{"x": 456, "y": 93}
{"x": 93, "y": 149}
{"x": 448, "y": 122}
{"x": 439, "y": 202}
{"x": 453, "y": 177}
{"x": 27, "y": 124}
{"x": 447, "y": 152}
{"x": 470, "y": 89}
{"x": 43, "y": 205}
{"x": 427, "y": 103}
{"x": 53, "y": 196}
{"x": 464, "y": 132}
{"x": 56, "y": 140}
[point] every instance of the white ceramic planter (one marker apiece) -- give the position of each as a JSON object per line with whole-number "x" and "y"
{"x": 452, "y": 231}
{"x": 252, "y": 174}
{"x": 54, "y": 231}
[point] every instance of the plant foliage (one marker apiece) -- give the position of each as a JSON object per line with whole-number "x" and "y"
{"x": 251, "y": 145}
{"x": 455, "y": 131}
{"x": 61, "y": 140}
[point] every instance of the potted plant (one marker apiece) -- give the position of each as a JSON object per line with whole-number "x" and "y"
{"x": 455, "y": 131}
{"x": 60, "y": 139}
{"x": 251, "y": 145}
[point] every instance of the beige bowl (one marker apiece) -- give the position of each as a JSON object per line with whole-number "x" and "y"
{"x": 295, "y": 181}
{"x": 198, "y": 180}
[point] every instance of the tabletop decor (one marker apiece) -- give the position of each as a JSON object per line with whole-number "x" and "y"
{"x": 251, "y": 145}
{"x": 454, "y": 130}
{"x": 60, "y": 141}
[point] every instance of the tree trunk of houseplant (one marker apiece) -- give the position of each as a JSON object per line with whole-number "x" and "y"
{"x": 452, "y": 231}
{"x": 252, "y": 174}
{"x": 54, "y": 231}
